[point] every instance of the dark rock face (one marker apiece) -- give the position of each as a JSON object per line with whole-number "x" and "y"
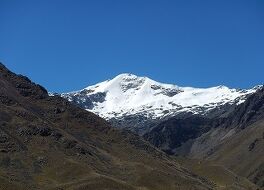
{"x": 138, "y": 124}
{"x": 34, "y": 130}
{"x": 130, "y": 84}
{"x": 253, "y": 144}
{"x": 248, "y": 112}
{"x": 172, "y": 133}
{"x": 42, "y": 131}
{"x": 87, "y": 102}
{"x": 166, "y": 91}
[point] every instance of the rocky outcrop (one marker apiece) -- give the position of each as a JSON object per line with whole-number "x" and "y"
{"x": 22, "y": 84}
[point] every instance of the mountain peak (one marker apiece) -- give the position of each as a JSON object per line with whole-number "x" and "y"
{"x": 128, "y": 77}
{"x": 122, "y": 83}
{"x": 128, "y": 94}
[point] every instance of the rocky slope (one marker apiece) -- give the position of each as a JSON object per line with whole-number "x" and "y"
{"x": 237, "y": 138}
{"x": 48, "y": 143}
{"x": 175, "y": 131}
{"x": 137, "y": 103}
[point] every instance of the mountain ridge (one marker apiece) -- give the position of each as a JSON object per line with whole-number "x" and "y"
{"x": 128, "y": 95}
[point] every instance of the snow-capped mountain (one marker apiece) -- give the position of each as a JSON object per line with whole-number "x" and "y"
{"x": 128, "y": 95}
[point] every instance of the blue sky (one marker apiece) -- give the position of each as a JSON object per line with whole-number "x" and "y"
{"x": 69, "y": 44}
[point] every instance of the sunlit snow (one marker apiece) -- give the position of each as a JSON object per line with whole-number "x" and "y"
{"x": 129, "y": 94}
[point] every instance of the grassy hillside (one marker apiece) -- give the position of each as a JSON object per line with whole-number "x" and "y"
{"x": 243, "y": 153}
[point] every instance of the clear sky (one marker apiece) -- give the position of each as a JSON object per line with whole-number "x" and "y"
{"x": 69, "y": 44}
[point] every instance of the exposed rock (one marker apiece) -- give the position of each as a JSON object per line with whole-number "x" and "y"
{"x": 25, "y": 131}
{"x": 253, "y": 144}
{"x": 172, "y": 133}
{"x": 43, "y": 131}
{"x": 56, "y": 135}
{"x": 68, "y": 143}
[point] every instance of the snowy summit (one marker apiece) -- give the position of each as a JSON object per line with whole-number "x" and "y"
{"x": 128, "y": 94}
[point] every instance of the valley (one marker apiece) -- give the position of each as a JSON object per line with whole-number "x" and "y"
{"x": 46, "y": 142}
